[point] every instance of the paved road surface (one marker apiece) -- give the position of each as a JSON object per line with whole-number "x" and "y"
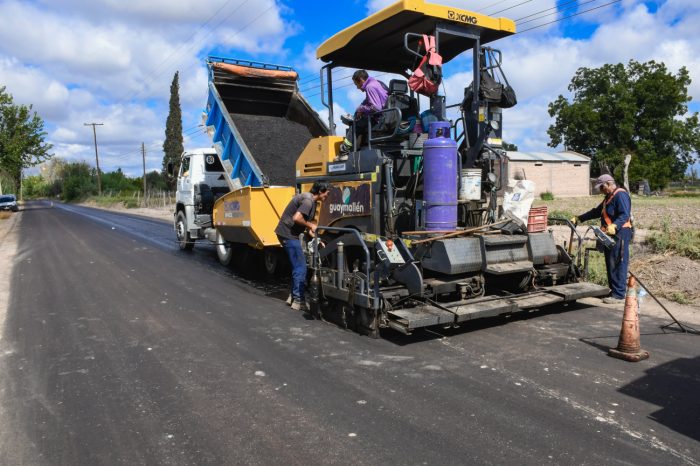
{"x": 120, "y": 349}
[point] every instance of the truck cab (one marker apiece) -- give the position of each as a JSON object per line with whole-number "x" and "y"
{"x": 200, "y": 181}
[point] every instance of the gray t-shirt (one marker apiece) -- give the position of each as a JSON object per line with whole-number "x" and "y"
{"x": 304, "y": 204}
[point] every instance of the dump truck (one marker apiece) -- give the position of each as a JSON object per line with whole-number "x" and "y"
{"x": 401, "y": 243}
{"x": 232, "y": 195}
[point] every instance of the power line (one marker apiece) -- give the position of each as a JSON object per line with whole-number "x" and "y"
{"x": 144, "y": 89}
{"x": 510, "y": 7}
{"x": 164, "y": 60}
{"x": 557, "y": 11}
{"x": 555, "y": 7}
{"x": 571, "y": 16}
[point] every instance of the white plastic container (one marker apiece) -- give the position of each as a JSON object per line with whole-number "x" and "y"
{"x": 470, "y": 188}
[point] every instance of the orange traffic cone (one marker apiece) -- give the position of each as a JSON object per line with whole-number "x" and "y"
{"x": 628, "y": 345}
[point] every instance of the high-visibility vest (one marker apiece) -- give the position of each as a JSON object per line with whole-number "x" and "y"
{"x": 606, "y": 217}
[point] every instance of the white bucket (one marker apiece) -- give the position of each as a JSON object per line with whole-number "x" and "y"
{"x": 470, "y": 189}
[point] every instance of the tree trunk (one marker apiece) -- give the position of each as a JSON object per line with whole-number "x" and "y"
{"x": 626, "y": 181}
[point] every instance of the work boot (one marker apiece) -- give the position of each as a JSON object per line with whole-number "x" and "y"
{"x": 612, "y": 300}
{"x": 347, "y": 119}
{"x": 299, "y": 305}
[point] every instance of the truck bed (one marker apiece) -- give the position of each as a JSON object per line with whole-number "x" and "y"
{"x": 276, "y": 143}
{"x": 258, "y": 121}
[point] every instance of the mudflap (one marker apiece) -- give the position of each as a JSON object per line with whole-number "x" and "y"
{"x": 407, "y": 319}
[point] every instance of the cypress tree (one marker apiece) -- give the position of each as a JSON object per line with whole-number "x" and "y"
{"x": 173, "y": 144}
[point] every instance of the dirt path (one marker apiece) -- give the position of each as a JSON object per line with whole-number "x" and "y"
{"x": 8, "y": 252}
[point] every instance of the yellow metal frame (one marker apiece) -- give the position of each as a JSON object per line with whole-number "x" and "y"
{"x": 319, "y": 152}
{"x": 252, "y": 213}
{"x": 439, "y": 12}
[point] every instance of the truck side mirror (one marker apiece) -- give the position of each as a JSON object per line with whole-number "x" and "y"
{"x": 169, "y": 168}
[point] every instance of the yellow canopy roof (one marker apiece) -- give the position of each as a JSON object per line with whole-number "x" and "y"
{"x": 377, "y": 42}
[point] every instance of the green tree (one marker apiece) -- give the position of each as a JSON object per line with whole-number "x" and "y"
{"x": 117, "y": 181}
{"x": 173, "y": 144}
{"x": 156, "y": 181}
{"x": 34, "y": 186}
{"x": 510, "y": 147}
{"x": 78, "y": 181}
{"x": 52, "y": 172}
{"x": 22, "y": 135}
{"x": 639, "y": 110}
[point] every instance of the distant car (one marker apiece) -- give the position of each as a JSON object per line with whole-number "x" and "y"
{"x": 8, "y": 202}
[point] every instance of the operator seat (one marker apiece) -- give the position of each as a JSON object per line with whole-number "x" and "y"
{"x": 389, "y": 126}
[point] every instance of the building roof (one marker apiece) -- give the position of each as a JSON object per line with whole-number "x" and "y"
{"x": 566, "y": 156}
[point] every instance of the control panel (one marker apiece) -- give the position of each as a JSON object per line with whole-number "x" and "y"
{"x": 388, "y": 252}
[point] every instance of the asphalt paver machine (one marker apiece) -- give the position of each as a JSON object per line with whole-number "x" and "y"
{"x": 404, "y": 242}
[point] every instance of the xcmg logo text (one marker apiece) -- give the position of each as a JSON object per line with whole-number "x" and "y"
{"x": 453, "y": 15}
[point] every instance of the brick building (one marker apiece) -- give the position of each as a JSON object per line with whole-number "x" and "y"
{"x": 564, "y": 174}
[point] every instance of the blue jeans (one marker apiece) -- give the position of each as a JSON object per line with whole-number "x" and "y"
{"x": 298, "y": 261}
{"x": 617, "y": 261}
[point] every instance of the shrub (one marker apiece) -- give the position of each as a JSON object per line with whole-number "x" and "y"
{"x": 547, "y": 196}
{"x": 684, "y": 242}
{"x": 680, "y": 297}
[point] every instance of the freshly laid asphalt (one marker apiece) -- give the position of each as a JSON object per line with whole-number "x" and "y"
{"x": 120, "y": 349}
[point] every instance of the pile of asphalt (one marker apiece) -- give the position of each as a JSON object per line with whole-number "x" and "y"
{"x": 275, "y": 144}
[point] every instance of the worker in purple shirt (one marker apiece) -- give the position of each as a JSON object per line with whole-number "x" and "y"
{"x": 376, "y": 96}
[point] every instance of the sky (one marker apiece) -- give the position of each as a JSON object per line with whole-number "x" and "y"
{"x": 112, "y": 61}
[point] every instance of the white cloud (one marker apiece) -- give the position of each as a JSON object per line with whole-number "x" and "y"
{"x": 113, "y": 61}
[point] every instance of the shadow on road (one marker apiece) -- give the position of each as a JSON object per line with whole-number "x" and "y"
{"x": 674, "y": 386}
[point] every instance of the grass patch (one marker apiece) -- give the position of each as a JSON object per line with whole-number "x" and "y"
{"x": 597, "y": 273}
{"x": 681, "y": 241}
{"x": 567, "y": 214}
{"x": 127, "y": 200}
{"x": 5, "y": 215}
{"x": 547, "y": 196}
{"x": 685, "y": 194}
{"x": 679, "y": 297}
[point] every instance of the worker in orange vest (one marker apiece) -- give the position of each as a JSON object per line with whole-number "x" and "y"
{"x": 615, "y": 213}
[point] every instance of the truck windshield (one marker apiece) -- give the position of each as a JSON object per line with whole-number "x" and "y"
{"x": 212, "y": 163}
{"x": 7, "y": 198}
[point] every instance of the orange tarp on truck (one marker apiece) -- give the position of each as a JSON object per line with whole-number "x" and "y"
{"x": 249, "y": 72}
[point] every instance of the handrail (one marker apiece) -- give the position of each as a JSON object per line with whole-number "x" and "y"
{"x": 405, "y": 43}
{"x": 329, "y": 104}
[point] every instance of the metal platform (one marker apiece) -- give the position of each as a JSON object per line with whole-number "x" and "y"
{"x": 425, "y": 315}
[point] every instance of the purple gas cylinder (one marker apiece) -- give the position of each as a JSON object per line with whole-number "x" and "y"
{"x": 440, "y": 178}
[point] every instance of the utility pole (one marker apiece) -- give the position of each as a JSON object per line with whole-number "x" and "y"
{"x": 143, "y": 153}
{"x": 97, "y": 160}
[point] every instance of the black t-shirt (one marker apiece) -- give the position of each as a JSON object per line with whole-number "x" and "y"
{"x": 304, "y": 204}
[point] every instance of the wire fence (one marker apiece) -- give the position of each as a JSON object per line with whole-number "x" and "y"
{"x": 155, "y": 199}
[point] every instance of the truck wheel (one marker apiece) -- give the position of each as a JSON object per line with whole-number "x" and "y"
{"x": 270, "y": 260}
{"x": 184, "y": 240}
{"x": 224, "y": 251}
